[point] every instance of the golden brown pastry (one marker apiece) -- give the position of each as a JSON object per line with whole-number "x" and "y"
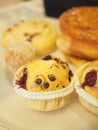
{"x": 79, "y": 32}
{"x": 63, "y": 47}
{"x": 46, "y": 82}
{"x": 86, "y": 84}
{"x": 81, "y": 23}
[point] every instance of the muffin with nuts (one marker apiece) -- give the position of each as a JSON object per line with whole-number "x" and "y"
{"x": 44, "y": 84}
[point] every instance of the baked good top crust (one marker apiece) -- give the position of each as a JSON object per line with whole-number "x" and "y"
{"x": 81, "y": 23}
{"x": 46, "y": 74}
{"x": 40, "y": 33}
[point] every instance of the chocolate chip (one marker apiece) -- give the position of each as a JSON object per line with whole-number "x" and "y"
{"x": 70, "y": 75}
{"x": 38, "y": 81}
{"x": 48, "y": 57}
{"x": 57, "y": 85}
{"x": 63, "y": 66}
{"x": 58, "y": 60}
{"x": 52, "y": 77}
{"x": 35, "y": 34}
{"x": 9, "y": 29}
{"x": 25, "y": 71}
{"x": 63, "y": 86}
{"x": 29, "y": 39}
{"x": 26, "y": 34}
{"x": 51, "y": 67}
{"x": 46, "y": 85}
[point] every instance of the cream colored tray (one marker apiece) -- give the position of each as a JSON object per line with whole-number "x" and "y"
{"x": 16, "y": 116}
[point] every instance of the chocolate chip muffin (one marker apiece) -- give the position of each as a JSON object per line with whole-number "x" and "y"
{"x": 46, "y": 82}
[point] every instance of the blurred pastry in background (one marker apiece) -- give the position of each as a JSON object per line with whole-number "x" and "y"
{"x": 61, "y": 44}
{"x": 18, "y": 54}
{"x": 41, "y": 34}
{"x": 79, "y": 33}
{"x": 27, "y": 40}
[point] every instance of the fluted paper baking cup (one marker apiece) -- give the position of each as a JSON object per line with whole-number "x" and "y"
{"x": 41, "y": 95}
{"x": 90, "y": 99}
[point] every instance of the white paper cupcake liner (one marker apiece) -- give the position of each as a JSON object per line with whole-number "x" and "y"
{"x": 41, "y": 95}
{"x": 90, "y": 99}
